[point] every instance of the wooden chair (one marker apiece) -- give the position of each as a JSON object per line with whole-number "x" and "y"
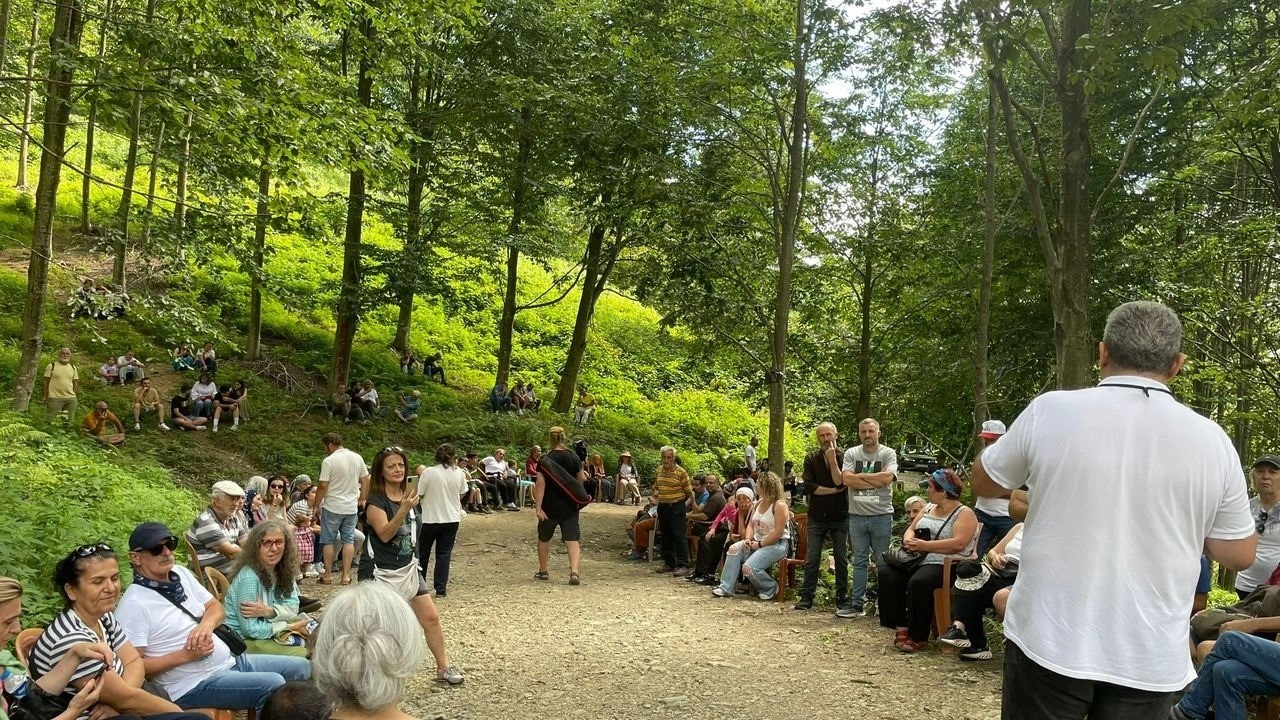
{"x": 217, "y": 583}
{"x": 942, "y": 596}
{"x": 787, "y": 566}
{"x": 25, "y": 642}
{"x": 193, "y": 561}
{"x": 1267, "y": 708}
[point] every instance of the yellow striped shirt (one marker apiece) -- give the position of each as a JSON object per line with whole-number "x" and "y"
{"x": 672, "y": 485}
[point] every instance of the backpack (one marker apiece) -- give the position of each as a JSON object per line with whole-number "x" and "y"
{"x": 793, "y": 531}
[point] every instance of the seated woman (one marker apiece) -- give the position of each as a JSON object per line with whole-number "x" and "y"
{"x": 183, "y": 359}
{"x": 530, "y": 476}
{"x": 598, "y": 484}
{"x": 519, "y": 400}
{"x": 945, "y": 528}
{"x": 202, "y": 396}
{"x": 641, "y": 525}
{"x": 88, "y": 579}
{"x": 109, "y": 371}
{"x": 275, "y": 506}
{"x": 207, "y": 360}
{"x": 407, "y": 361}
{"x": 973, "y": 596}
{"x": 262, "y": 601}
{"x": 628, "y": 485}
{"x": 767, "y": 539}
{"x": 727, "y": 527}
{"x": 226, "y": 401}
{"x": 240, "y": 393}
{"x": 367, "y": 651}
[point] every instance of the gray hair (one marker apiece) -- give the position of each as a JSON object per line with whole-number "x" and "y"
{"x": 258, "y": 484}
{"x": 368, "y": 647}
{"x": 667, "y": 448}
{"x": 912, "y": 500}
{"x": 1143, "y": 336}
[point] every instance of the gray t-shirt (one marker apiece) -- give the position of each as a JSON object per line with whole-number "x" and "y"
{"x": 875, "y": 501}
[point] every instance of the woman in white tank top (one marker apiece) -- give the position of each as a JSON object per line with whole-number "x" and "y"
{"x": 768, "y": 538}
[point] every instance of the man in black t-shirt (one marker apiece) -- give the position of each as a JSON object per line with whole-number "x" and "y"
{"x": 828, "y": 519}
{"x": 180, "y": 405}
{"x": 554, "y": 507}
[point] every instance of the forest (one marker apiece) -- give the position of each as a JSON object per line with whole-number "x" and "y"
{"x": 724, "y": 217}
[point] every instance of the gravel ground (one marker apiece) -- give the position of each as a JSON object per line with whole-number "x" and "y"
{"x": 631, "y": 643}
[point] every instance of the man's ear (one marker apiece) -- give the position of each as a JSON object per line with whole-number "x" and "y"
{"x": 1177, "y": 365}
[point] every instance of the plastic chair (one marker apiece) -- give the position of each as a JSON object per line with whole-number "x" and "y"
{"x": 25, "y": 642}
{"x": 217, "y": 583}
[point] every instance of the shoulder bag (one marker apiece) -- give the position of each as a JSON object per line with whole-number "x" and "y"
{"x": 907, "y": 561}
{"x": 233, "y": 641}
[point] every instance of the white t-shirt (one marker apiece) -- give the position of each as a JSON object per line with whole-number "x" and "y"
{"x": 441, "y": 489}
{"x": 156, "y": 628}
{"x": 873, "y": 501}
{"x": 493, "y": 466}
{"x": 1124, "y": 486}
{"x": 995, "y": 507}
{"x": 342, "y": 470}
{"x": 1268, "y": 549}
{"x": 750, "y": 454}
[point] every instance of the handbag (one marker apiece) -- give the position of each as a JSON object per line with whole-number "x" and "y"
{"x": 903, "y": 559}
{"x": 228, "y": 636}
{"x": 405, "y": 580}
{"x": 1008, "y": 572}
{"x": 38, "y": 704}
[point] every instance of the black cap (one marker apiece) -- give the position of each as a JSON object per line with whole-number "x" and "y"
{"x": 149, "y": 535}
{"x": 1272, "y": 460}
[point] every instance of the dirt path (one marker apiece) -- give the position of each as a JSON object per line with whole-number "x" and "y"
{"x": 630, "y": 643}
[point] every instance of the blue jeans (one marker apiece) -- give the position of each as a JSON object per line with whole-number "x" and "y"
{"x": 1240, "y": 664}
{"x": 869, "y": 539}
{"x": 994, "y": 528}
{"x": 759, "y": 561}
{"x": 246, "y": 685}
{"x": 204, "y": 408}
{"x": 337, "y": 529}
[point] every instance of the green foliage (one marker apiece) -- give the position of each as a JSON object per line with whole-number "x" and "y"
{"x": 60, "y": 492}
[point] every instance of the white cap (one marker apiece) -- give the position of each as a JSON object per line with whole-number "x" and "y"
{"x": 227, "y": 487}
{"x": 992, "y": 429}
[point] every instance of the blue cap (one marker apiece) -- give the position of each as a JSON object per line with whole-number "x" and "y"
{"x": 149, "y": 535}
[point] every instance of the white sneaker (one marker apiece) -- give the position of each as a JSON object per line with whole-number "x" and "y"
{"x": 164, "y": 427}
{"x": 235, "y": 426}
{"x": 215, "y": 428}
{"x": 201, "y": 427}
{"x": 137, "y": 426}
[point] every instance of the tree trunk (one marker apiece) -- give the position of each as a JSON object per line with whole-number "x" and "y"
{"x": 592, "y": 286}
{"x": 180, "y": 189}
{"x": 254, "y": 344}
{"x": 349, "y": 297}
{"x": 91, "y": 124}
{"x": 64, "y": 44}
{"x": 120, "y": 246}
{"x": 153, "y": 171}
{"x": 506, "y": 327}
{"x": 981, "y": 410}
{"x": 28, "y": 101}
{"x": 413, "y": 221}
{"x": 796, "y": 175}
{"x": 868, "y": 293}
{"x": 4, "y": 31}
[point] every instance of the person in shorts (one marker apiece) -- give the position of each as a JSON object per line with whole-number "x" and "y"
{"x": 555, "y": 509}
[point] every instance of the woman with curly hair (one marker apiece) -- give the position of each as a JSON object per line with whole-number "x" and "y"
{"x": 262, "y": 601}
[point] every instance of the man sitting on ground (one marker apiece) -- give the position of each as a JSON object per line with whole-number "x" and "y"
{"x": 217, "y": 533}
{"x": 131, "y": 368}
{"x": 147, "y": 399}
{"x": 180, "y": 410}
{"x": 586, "y": 406}
{"x": 532, "y": 402}
{"x": 100, "y": 424}
{"x": 431, "y": 368}
{"x": 109, "y": 372}
{"x": 171, "y": 619}
{"x": 409, "y": 404}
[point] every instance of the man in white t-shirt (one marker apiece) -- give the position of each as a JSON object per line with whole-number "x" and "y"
{"x": 1126, "y": 487}
{"x": 1266, "y": 481}
{"x": 178, "y": 646}
{"x": 342, "y": 489}
{"x": 993, "y": 513}
{"x": 749, "y": 454}
{"x": 868, "y": 470}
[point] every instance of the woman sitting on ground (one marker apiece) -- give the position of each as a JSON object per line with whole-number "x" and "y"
{"x": 366, "y": 653}
{"x": 262, "y": 601}
{"x": 945, "y": 528}
{"x": 240, "y": 393}
{"x": 727, "y": 527}
{"x": 973, "y": 596}
{"x": 202, "y": 395}
{"x": 207, "y": 360}
{"x": 474, "y": 498}
{"x": 183, "y": 360}
{"x": 88, "y": 579}
{"x": 767, "y": 539}
{"x": 407, "y": 361}
{"x": 17, "y": 685}
{"x": 392, "y": 517}
{"x": 628, "y": 486}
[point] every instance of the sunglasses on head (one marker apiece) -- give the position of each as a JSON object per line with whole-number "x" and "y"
{"x": 393, "y": 449}
{"x": 85, "y": 551}
{"x": 170, "y": 542}
{"x": 1261, "y": 527}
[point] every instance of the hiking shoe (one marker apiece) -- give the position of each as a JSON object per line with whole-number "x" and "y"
{"x": 164, "y": 427}
{"x": 849, "y": 611}
{"x": 450, "y": 675}
{"x": 680, "y": 572}
{"x": 974, "y": 654}
{"x": 955, "y": 637}
{"x": 707, "y": 580}
{"x": 804, "y": 604}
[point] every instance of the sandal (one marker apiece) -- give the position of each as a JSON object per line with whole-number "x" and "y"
{"x": 541, "y": 575}
{"x": 574, "y": 579}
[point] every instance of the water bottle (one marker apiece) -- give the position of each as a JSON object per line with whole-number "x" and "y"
{"x": 15, "y": 686}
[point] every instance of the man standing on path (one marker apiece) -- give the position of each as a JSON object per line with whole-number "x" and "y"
{"x": 993, "y": 513}
{"x": 1096, "y": 625}
{"x": 868, "y": 471}
{"x": 827, "y": 500}
{"x": 61, "y": 385}
{"x": 342, "y": 489}
{"x": 673, "y": 489}
{"x": 749, "y": 454}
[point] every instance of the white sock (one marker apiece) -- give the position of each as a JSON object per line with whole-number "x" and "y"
{"x": 215, "y": 424}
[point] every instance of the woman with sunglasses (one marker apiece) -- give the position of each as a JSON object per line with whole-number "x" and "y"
{"x": 88, "y": 579}
{"x": 276, "y": 504}
{"x": 944, "y": 528}
{"x": 391, "y": 513}
{"x": 262, "y": 601}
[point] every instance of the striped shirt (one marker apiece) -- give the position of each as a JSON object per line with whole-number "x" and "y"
{"x": 672, "y": 485}
{"x": 65, "y": 631}
{"x": 208, "y": 532}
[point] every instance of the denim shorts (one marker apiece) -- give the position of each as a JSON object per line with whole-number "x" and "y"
{"x": 335, "y": 528}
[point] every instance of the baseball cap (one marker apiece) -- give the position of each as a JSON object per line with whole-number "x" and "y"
{"x": 228, "y": 487}
{"x": 1272, "y": 460}
{"x": 992, "y": 429}
{"x": 149, "y": 535}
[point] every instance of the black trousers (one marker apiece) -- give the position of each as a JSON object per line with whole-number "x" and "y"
{"x": 906, "y": 600}
{"x": 838, "y": 532}
{"x": 671, "y": 525}
{"x": 969, "y": 607}
{"x": 1032, "y": 692}
{"x": 506, "y": 489}
{"x": 441, "y": 537}
{"x": 709, "y": 552}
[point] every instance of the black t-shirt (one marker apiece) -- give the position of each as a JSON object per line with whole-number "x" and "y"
{"x": 554, "y": 501}
{"x": 397, "y": 553}
{"x": 178, "y": 405}
{"x": 823, "y": 508}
